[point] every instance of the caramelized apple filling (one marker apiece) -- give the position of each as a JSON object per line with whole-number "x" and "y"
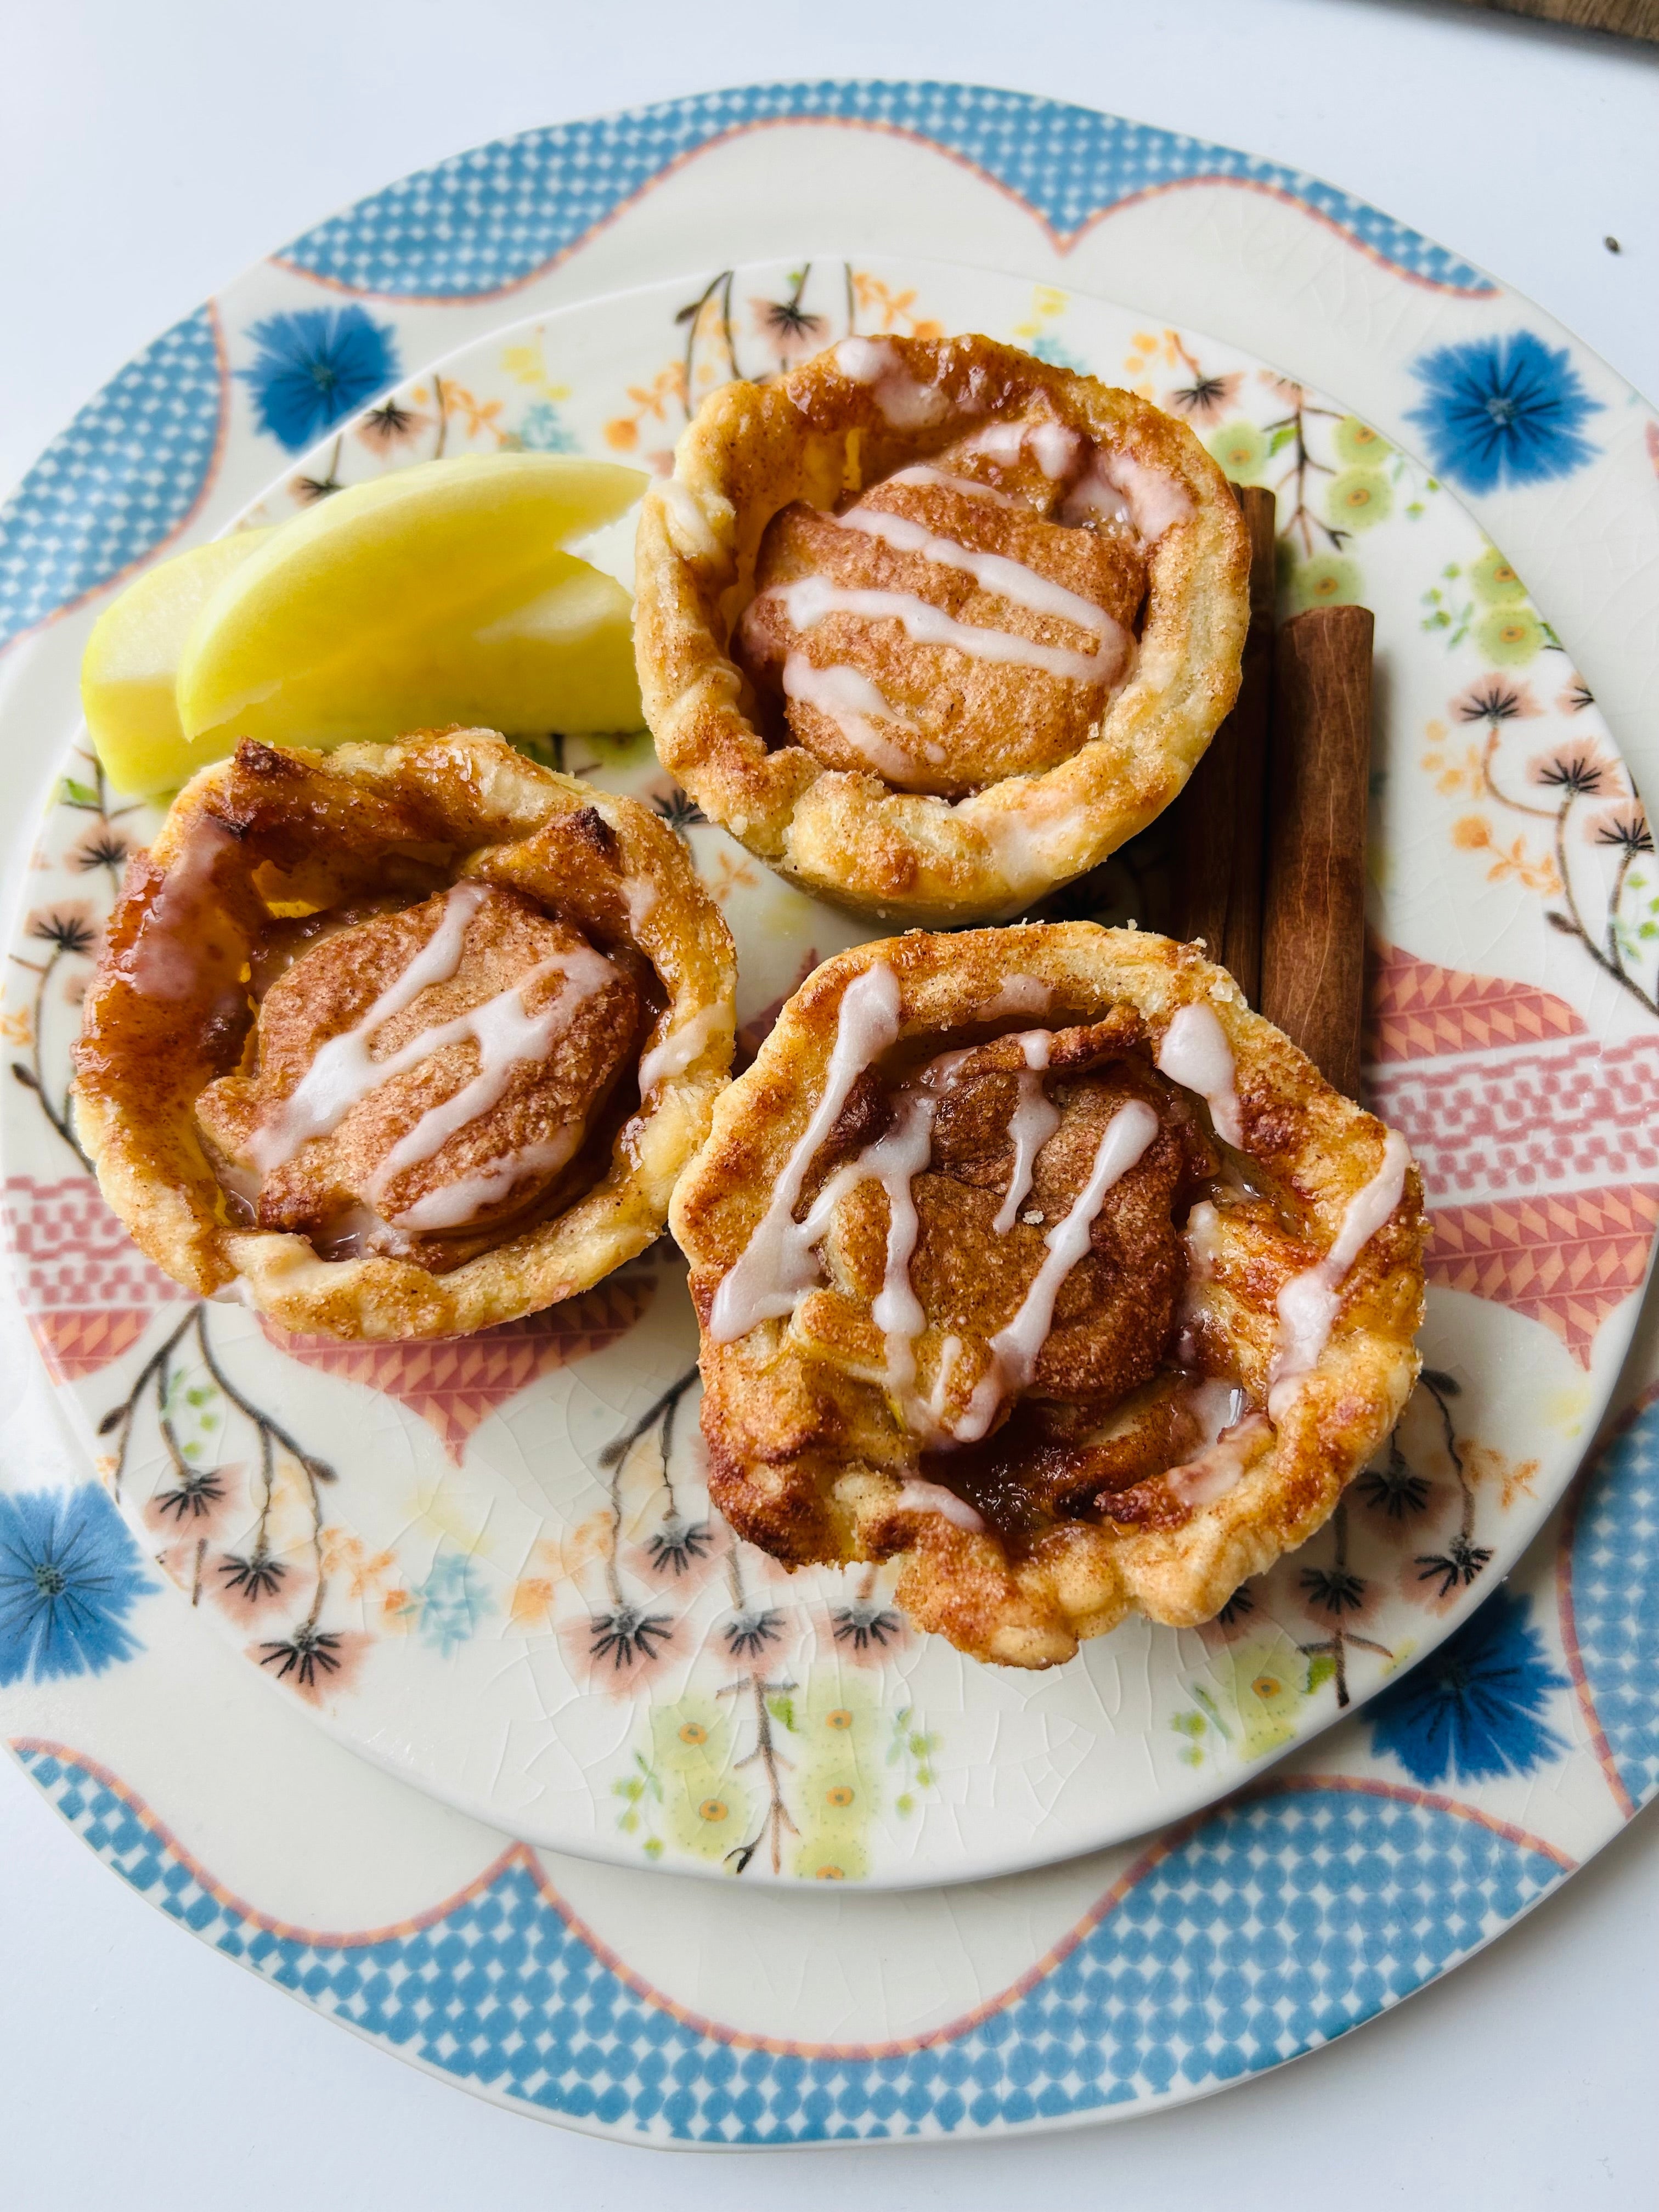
{"x": 965, "y": 620}
{"x": 416, "y": 1082}
{"x": 404, "y": 1042}
{"x": 932, "y": 626}
{"x": 1034, "y": 1258}
{"x": 1002, "y": 1238}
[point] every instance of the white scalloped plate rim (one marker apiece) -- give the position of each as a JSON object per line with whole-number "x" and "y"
{"x": 1527, "y": 532}
{"x": 506, "y": 1722}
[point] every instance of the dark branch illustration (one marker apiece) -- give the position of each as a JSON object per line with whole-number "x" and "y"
{"x": 160, "y": 1389}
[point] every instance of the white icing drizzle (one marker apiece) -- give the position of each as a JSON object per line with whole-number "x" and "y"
{"x": 941, "y": 1073}
{"x": 809, "y": 600}
{"x": 359, "y": 1230}
{"x": 341, "y": 1073}
{"x": 1308, "y": 1304}
{"x": 919, "y": 1495}
{"x": 1115, "y": 487}
{"x": 691, "y": 524}
{"x": 777, "y": 1264}
{"x": 865, "y": 361}
{"x": 992, "y": 572}
{"x": 165, "y": 960}
{"x": 905, "y": 405}
{"x": 1027, "y": 838}
{"x": 640, "y": 895}
{"x": 1220, "y": 1466}
{"x": 920, "y": 473}
{"x": 1055, "y": 446}
{"x": 1195, "y": 1054}
{"x": 506, "y": 1034}
{"x": 908, "y": 405}
{"x": 998, "y": 442}
{"x": 1157, "y": 502}
{"x": 893, "y": 1161}
{"x": 1215, "y": 1404}
{"x": 934, "y": 1405}
{"x": 676, "y": 1051}
{"x": 1018, "y": 994}
{"x": 854, "y": 704}
{"x": 457, "y": 1203}
{"x": 1033, "y": 1122}
{"x": 1014, "y": 1349}
{"x": 1203, "y": 1241}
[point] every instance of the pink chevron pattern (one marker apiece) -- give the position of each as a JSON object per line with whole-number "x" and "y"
{"x": 454, "y": 1382}
{"x": 1539, "y": 1154}
{"x": 1416, "y": 1010}
{"x": 88, "y": 1291}
{"x": 1566, "y": 1261}
{"x": 1539, "y": 1149}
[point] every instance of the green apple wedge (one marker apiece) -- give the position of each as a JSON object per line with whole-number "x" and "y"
{"x": 439, "y": 593}
{"x": 128, "y": 672}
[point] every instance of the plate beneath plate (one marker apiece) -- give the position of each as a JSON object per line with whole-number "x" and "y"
{"x": 490, "y": 1563}
{"x": 619, "y": 2001}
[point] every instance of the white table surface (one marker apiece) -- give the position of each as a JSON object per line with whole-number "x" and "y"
{"x": 149, "y": 151}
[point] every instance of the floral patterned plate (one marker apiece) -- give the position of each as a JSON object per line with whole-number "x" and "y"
{"x": 525, "y": 1608}
{"x": 501, "y": 1576}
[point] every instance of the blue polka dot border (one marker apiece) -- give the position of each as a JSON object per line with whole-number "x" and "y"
{"x": 125, "y": 476}
{"x": 496, "y": 215}
{"x": 1611, "y": 1606}
{"x": 1265, "y": 1930}
{"x": 134, "y": 467}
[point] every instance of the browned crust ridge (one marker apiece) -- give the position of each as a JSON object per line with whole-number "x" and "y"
{"x": 819, "y": 435}
{"x": 297, "y": 826}
{"x": 809, "y": 1462}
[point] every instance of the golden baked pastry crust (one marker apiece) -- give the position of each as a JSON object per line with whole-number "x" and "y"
{"x": 810, "y": 1457}
{"x": 819, "y": 434}
{"x": 168, "y": 1010}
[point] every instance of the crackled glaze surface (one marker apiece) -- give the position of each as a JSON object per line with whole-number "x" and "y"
{"x": 501, "y": 1572}
{"x": 520, "y": 1518}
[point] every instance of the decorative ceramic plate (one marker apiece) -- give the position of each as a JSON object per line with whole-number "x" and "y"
{"x": 473, "y": 1611}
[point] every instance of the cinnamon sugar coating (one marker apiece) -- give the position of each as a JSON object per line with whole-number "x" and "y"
{"x": 338, "y": 1183}
{"x": 959, "y": 724}
{"x": 817, "y": 1438}
{"x": 1116, "y": 1310}
{"x": 899, "y": 763}
{"x": 277, "y": 1096}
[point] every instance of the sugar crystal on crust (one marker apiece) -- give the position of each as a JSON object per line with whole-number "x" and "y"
{"x": 933, "y": 626}
{"x": 406, "y": 1161}
{"x": 402, "y": 1041}
{"x": 1131, "y": 1389}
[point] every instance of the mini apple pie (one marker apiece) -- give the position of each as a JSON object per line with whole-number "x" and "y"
{"x": 404, "y": 1041}
{"x": 933, "y": 626}
{"x": 1033, "y": 1255}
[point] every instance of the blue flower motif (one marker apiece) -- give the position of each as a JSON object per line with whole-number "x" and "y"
{"x": 452, "y": 1602}
{"x": 1502, "y": 411}
{"x": 1050, "y": 349}
{"x": 1473, "y": 1710}
{"x": 543, "y": 431}
{"x": 69, "y": 1575}
{"x": 315, "y": 366}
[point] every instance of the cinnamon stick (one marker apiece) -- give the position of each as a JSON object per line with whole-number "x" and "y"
{"x": 1312, "y": 938}
{"x": 1219, "y": 817}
